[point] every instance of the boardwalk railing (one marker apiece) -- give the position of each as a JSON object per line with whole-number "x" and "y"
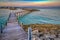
{"x": 29, "y": 33}
{"x": 1, "y": 30}
{"x": 3, "y": 23}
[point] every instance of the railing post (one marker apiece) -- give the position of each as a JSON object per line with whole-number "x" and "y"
{"x": 29, "y": 33}
{"x": 1, "y": 29}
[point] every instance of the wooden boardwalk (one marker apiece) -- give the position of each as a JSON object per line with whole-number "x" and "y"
{"x": 13, "y": 31}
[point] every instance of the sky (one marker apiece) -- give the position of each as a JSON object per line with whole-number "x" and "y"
{"x": 41, "y": 3}
{"x": 26, "y": 0}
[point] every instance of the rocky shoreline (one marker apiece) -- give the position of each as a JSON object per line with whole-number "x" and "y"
{"x": 42, "y": 27}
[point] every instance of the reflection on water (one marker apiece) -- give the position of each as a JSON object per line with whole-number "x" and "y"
{"x": 44, "y": 16}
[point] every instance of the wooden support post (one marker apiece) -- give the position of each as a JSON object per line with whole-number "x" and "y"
{"x": 1, "y": 29}
{"x": 29, "y": 33}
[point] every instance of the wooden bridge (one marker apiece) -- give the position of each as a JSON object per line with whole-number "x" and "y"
{"x": 13, "y": 31}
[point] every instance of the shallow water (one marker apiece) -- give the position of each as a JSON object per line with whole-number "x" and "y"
{"x": 4, "y": 14}
{"x": 44, "y": 16}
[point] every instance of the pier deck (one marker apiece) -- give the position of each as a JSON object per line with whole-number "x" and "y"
{"x": 13, "y": 31}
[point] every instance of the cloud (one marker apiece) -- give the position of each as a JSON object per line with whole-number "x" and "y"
{"x": 30, "y": 4}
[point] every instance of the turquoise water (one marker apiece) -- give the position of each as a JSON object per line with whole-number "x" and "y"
{"x": 44, "y": 16}
{"x": 4, "y": 14}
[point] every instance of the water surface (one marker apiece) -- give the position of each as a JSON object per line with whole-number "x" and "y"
{"x": 44, "y": 16}
{"x": 4, "y": 14}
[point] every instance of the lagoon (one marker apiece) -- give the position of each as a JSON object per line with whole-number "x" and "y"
{"x": 44, "y": 16}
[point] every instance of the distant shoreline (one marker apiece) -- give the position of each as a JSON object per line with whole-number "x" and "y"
{"x": 7, "y": 7}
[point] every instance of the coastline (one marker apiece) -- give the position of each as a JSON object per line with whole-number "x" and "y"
{"x": 41, "y": 27}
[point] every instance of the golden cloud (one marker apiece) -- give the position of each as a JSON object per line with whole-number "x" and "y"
{"x": 30, "y": 4}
